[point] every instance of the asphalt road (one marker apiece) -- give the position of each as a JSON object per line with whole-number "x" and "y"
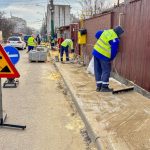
{"x": 39, "y": 103}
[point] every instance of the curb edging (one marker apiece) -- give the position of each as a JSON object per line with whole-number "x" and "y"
{"x": 76, "y": 101}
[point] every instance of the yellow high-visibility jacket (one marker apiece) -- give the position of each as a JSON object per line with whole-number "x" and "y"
{"x": 102, "y": 45}
{"x": 67, "y": 42}
{"x": 31, "y": 41}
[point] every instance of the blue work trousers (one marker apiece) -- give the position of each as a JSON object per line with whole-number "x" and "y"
{"x": 102, "y": 71}
{"x": 62, "y": 49}
{"x": 30, "y": 48}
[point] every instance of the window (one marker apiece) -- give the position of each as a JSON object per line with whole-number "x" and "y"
{"x": 14, "y": 39}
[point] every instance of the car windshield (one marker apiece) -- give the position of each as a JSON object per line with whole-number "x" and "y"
{"x": 14, "y": 39}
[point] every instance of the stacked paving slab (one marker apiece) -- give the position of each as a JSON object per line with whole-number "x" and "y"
{"x": 39, "y": 54}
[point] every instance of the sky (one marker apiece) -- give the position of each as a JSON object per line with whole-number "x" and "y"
{"x": 33, "y": 11}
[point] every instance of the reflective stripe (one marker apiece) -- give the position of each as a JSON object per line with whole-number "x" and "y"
{"x": 102, "y": 45}
{"x": 104, "y": 42}
{"x": 103, "y": 48}
{"x": 105, "y": 82}
{"x": 98, "y": 81}
{"x": 101, "y": 51}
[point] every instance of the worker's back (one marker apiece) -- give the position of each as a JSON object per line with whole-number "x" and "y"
{"x": 66, "y": 42}
{"x": 31, "y": 41}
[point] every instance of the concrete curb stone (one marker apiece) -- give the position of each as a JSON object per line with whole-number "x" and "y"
{"x": 78, "y": 105}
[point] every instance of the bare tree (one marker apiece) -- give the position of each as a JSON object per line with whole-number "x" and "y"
{"x": 91, "y": 7}
{"x": 86, "y": 7}
{"x": 28, "y": 30}
{"x": 100, "y": 6}
{"x": 6, "y": 26}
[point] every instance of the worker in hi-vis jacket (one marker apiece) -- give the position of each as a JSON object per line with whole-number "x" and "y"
{"x": 67, "y": 43}
{"x": 104, "y": 52}
{"x": 31, "y": 43}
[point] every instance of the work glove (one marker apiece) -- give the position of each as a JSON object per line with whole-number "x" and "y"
{"x": 72, "y": 51}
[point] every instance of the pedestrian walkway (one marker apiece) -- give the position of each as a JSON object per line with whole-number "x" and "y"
{"x": 119, "y": 122}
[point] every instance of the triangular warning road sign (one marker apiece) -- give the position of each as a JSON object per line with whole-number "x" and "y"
{"x": 7, "y": 69}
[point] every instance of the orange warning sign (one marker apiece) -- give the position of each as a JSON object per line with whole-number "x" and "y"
{"x": 7, "y": 69}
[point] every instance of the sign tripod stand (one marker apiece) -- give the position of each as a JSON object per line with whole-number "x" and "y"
{"x": 2, "y": 120}
{"x": 7, "y": 70}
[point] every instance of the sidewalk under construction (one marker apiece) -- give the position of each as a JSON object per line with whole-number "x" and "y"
{"x": 119, "y": 122}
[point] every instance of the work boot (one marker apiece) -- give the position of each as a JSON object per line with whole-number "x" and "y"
{"x": 67, "y": 59}
{"x": 98, "y": 89}
{"x": 106, "y": 89}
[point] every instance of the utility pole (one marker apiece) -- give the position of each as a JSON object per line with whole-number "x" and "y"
{"x": 118, "y": 2}
{"x": 52, "y": 18}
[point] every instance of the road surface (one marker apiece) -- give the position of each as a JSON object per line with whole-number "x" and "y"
{"x": 39, "y": 103}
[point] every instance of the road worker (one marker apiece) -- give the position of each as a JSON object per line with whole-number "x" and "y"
{"x": 31, "y": 43}
{"x": 59, "y": 41}
{"x": 104, "y": 52}
{"x": 67, "y": 43}
{"x": 38, "y": 39}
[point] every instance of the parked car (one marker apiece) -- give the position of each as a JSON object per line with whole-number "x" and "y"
{"x": 26, "y": 38}
{"x": 16, "y": 42}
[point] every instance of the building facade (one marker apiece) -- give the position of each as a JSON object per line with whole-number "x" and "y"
{"x": 61, "y": 16}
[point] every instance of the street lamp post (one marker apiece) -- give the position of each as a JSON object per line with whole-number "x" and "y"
{"x": 118, "y": 2}
{"x": 52, "y": 19}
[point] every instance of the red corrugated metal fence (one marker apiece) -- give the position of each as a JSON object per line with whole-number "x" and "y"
{"x": 133, "y": 59}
